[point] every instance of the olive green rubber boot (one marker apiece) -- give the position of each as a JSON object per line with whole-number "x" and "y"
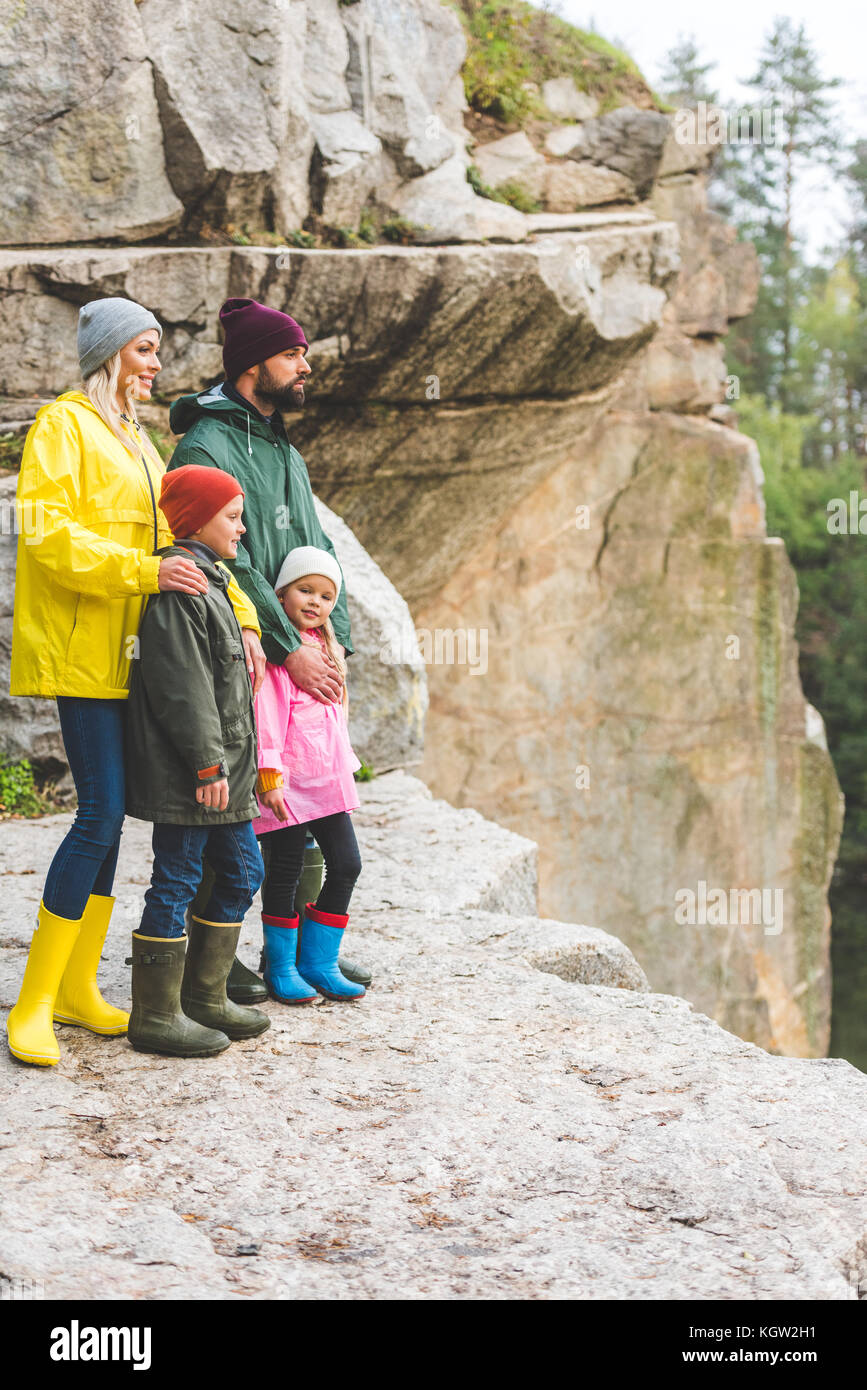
{"x": 203, "y": 991}
{"x": 242, "y": 986}
{"x": 358, "y": 974}
{"x": 157, "y": 1022}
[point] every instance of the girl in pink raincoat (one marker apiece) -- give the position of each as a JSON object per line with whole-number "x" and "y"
{"x": 306, "y": 786}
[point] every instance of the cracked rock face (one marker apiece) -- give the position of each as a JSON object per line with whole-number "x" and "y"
{"x": 78, "y": 105}
{"x": 148, "y": 116}
{"x": 475, "y": 1127}
{"x": 662, "y": 740}
{"x": 627, "y": 140}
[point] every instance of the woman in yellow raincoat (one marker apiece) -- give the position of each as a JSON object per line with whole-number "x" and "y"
{"x": 88, "y": 526}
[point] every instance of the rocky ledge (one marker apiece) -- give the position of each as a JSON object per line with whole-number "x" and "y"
{"x": 486, "y": 1123}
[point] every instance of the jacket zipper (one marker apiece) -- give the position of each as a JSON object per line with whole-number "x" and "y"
{"x": 153, "y": 497}
{"x": 150, "y": 484}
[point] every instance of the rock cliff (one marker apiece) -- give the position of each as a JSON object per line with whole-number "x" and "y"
{"x": 523, "y": 417}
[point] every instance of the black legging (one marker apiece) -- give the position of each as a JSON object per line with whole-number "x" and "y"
{"x": 336, "y": 838}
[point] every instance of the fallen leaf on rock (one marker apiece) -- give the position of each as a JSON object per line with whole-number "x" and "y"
{"x": 432, "y": 1218}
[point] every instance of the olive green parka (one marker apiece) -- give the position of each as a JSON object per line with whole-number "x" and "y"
{"x": 190, "y": 715}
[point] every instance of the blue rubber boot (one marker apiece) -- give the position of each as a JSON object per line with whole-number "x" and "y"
{"x": 321, "y": 935}
{"x": 281, "y": 945}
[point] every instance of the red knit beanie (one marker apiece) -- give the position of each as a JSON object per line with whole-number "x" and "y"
{"x": 191, "y": 495}
{"x": 254, "y": 332}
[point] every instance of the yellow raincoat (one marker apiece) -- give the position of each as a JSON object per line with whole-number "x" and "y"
{"x": 88, "y": 523}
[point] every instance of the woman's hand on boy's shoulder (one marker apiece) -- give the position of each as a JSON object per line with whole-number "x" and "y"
{"x": 182, "y": 575}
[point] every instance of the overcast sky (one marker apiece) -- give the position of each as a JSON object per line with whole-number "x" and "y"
{"x": 731, "y": 34}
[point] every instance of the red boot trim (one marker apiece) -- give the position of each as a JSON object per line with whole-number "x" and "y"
{"x": 328, "y": 919}
{"x": 288, "y": 923}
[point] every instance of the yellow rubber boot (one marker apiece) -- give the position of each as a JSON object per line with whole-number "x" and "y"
{"x": 29, "y": 1030}
{"x": 78, "y": 999}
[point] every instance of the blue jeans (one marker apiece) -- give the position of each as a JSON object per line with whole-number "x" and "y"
{"x": 86, "y": 860}
{"x": 234, "y": 854}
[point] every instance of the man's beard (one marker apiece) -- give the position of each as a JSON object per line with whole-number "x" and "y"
{"x": 281, "y": 397}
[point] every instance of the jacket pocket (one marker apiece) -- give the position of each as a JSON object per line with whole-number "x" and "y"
{"x": 232, "y": 688}
{"x": 86, "y": 640}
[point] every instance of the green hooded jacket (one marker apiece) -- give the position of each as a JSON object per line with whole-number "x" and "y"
{"x": 279, "y": 511}
{"x": 190, "y": 715}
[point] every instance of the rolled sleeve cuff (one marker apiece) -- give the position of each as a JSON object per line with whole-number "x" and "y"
{"x": 149, "y": 574}
{"x": 277, "y": 647}
{"x": 210, "y": 772}
{"x": 268, "y": 779}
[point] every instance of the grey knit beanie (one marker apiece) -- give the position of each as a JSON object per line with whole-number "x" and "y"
{"x": 107, "y": 325}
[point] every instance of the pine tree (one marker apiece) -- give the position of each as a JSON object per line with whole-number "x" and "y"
{"x": 683, "y": 80}
{"x": 791, "y": 98}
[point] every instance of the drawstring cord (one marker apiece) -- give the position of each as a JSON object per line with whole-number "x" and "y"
{"x": 249, "y": 445}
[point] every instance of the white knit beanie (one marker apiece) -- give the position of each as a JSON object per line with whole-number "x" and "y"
{"x": 308, "y": 559}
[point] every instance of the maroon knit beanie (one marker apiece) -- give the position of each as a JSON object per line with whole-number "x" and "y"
{"x": 254, "y": 332}
{"x": 191, "y": 495}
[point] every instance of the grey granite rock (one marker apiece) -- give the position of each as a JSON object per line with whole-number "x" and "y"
{"x": 628, "y": 140}
{"x": 231, "y": 88}
{"x": 442, "y": 207}
{"x": 403, "y": 73}
{"x": 563, "y": 99}
{"x": 511, "y": 159}
{"x": 473, "y": 1128}
{"x": 81, "y": 155}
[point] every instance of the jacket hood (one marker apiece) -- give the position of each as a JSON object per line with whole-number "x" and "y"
{"x": 186, "y": 409}
{"x": 79, "y": 398}
{"x": 210, "y": 567}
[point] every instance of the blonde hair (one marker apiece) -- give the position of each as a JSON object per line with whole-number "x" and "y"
{"x": 101, "y": 389}
{"x": 332, "y": 646}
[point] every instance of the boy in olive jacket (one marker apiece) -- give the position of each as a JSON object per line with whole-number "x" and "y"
{"x": 191, "y": 769}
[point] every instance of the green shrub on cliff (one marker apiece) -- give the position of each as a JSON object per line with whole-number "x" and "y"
{"x": 511, "y": 192}
{"x": 512, "y": 48}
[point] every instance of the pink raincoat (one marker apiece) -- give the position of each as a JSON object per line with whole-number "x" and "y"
{"x": 309, "y": 743}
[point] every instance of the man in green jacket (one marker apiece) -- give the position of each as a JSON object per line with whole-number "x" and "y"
{"x": 238, "y": 426}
